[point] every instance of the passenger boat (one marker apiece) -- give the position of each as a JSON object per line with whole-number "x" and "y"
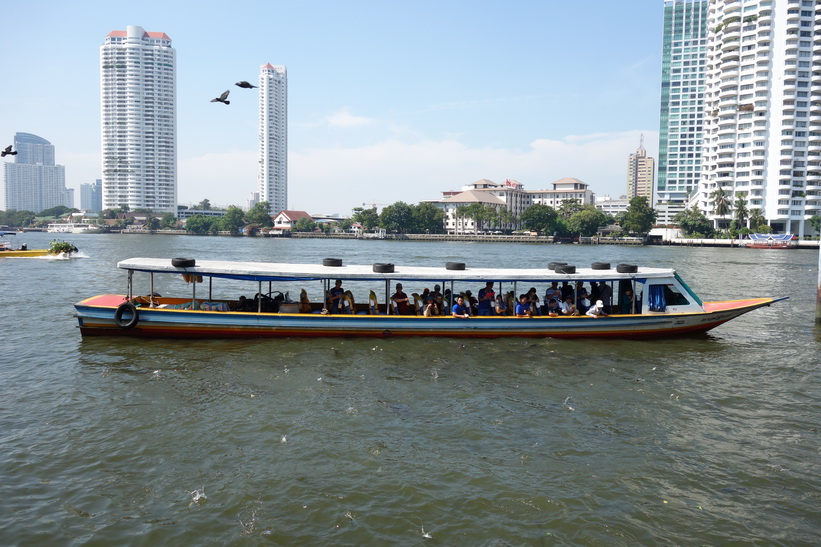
{"x": 772, "y": 241}
{"x": 664, "y": 306}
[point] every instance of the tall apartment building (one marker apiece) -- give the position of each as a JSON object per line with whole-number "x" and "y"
{"x": 273, "y": 137}
{"x": 684, "y": 48}
{"x": 762, "y": 131}
{"x": 640, "y": 169}
{"x": 33, "y": 182}
{"x": 139, "y": 120}
{"x": 91, "y": 196}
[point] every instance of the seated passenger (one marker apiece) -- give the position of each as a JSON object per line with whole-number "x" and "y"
{"x": 533, "y": 299}
{"x": 401, "y": 301}
{"x": 552, "y": 308}
{"x": 336, "y": 298}
{"x": 568, "y": 308}
{"x": 523, "y": 308}
{"x": 553, "y": 292}
{"x": 567, "y": 289}
{"x": 430, "y": 309}
{"x": 471, "y": 302}
{"x": 597, "y": 310}
{"x": 501, "y": 306}
{"x": 486, "y": 300}
{"x": 460, "y": 309}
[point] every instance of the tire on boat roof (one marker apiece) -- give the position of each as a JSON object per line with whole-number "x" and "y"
{"x": 565, "y": 268}
{"x": 554, "y": 265}
{"x": 381, "y": 267}
{"x": 132, "y": 321}
{"x": 454, "y": 265}
{"x": 335, "y": 262}
{"x": 627, "y": 268}
{"x": 600, "y": 265}
{"x": 183, "y": 262}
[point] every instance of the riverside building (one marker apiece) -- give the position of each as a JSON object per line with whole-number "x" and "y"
{"x": 762, "y": 128}
{"x": 684, "y": 48}
{"x": 273, "y": 137}
{"x": 139, "y": 120}
{"x": 33, "y": 182}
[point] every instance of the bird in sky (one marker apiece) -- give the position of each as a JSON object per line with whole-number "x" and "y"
{"x": 7, "y": 152}
{"x": 222, "y": 98}
{"x": 245, "y": 85}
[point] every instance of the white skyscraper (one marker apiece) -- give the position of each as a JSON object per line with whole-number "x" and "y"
{"x": 273, "y": 137}
{"x": 762, "y": 128}
{"x": 139, "y": 120}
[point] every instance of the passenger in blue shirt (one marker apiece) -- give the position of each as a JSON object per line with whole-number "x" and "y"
{"x": 523, "y": 307}
{"x": 459, "y": 309}
{"x": 486, "y": 300}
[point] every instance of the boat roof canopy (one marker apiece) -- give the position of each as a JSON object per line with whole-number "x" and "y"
{"x": 275, "y": 271}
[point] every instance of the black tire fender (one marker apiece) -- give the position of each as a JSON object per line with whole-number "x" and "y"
{"x": 183, "y": 262}
{"x": 383, "y": 267}
{"x": 454, "y": 265}
{"x": 600, "y": 265}
{"x": 566, "y": 269}
{"x": 627, "y": 268}
{"x": 333, "y": 262}
{"x": 554, "y": 265}
{"x": 118, "y": 316}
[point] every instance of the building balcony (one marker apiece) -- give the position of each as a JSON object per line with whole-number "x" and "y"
{"x": 814, "y": 146}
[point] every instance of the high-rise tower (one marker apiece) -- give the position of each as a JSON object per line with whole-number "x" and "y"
{"x": 762, "y": 131}
{"x": 273, "y": 137}
{"x": 640, "y": 169}
{"x": 33, "y": 182}
{"x": 684, "y": 47}
{"x": 139, "y": 120}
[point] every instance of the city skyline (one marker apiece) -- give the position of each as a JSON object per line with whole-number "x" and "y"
{"x": 375, "y": 110}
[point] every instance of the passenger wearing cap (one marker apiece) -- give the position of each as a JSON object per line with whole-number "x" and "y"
{"x": 336, "y": 297}
{"x": 597, "y": 309}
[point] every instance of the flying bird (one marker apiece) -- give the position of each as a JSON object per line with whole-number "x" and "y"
{"x": 245, "y": 85}
{"x": 222, "y": 98}
{"x": 7, "y": 152}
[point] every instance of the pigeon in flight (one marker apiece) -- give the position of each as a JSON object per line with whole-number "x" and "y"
{"x": 222, "y": 98}
{"x": 245, "y": 85}
{"x": 7, "y": 152}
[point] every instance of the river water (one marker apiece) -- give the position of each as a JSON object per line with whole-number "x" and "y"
{"x": 702, "y": 440}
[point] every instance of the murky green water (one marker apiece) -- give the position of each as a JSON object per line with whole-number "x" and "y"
{"x": 708, "y": 440}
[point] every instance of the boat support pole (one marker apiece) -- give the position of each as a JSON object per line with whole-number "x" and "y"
{"x": 818, "y": 292}
{"x": 151, "y": 288}
{"x": 130, "y": 283}
{"x": 210, "y": 287}
{"x": 194, "y": 292}
{"x": 259, "y": 296}
{"x": 387, "y": 297}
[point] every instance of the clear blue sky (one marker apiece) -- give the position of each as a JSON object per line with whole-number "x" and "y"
{"x": 388, "y": 101}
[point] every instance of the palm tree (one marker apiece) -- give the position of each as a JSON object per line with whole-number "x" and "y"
{"x": 741, "y": 211}
{"x": 756, "y": 219}
{"x": 721, "y": 202}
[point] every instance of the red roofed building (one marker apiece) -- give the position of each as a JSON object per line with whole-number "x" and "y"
{"x": 286, "y": 220}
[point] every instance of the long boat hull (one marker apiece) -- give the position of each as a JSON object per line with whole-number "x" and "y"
{"x": 96, "y": 317}
{"x": 24, "y": 254}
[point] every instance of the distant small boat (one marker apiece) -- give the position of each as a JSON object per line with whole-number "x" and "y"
{"x": 772, "y": 241}
{"x": 9, "y": 250}
{"x": 72, "y": 228}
